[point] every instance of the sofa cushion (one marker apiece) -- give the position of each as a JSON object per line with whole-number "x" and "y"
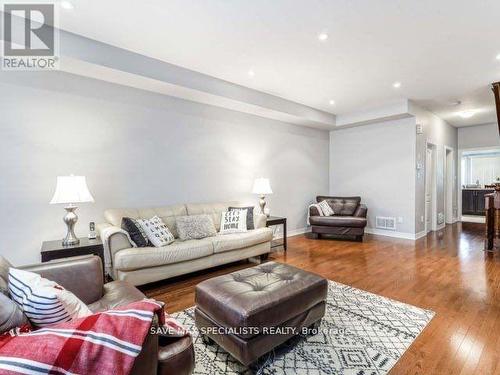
{"x": 344, "y": 206}
{"x": 215, "y": 210}
{"x": 167, "y": 214}
{"x": 179, "y": 251}
{"x": 228, "y": 242}
{"x": 195, "y": 227}
{"x": 338, "y": 221}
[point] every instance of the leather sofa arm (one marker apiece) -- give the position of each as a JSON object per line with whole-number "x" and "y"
{"x": 361, "y": 211}
{"x": 81, "y": 275}
{"x": 259, "y": 220}
{"x": 313, "y": 211}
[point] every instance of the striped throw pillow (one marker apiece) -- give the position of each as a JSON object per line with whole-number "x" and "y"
{"x": 44, "y": 302}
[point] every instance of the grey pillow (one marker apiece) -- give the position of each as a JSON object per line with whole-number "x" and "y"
{"x": 195, "y": 227}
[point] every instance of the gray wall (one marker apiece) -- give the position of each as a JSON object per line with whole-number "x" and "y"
{"x": 439, "y": 133}
{"x": 138, "y": 149}
{"x": 376, "y": 162}
{"x": 478, "y": 136}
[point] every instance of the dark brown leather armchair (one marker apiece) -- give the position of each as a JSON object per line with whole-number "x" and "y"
{"x": 349, "y": 217}
{"x": 83, "y": 276}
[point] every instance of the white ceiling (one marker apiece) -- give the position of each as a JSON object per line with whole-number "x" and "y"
{"x": 441, "y": 51}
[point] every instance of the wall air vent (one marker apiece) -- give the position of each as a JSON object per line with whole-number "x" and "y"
{"x": 385, "y": 222}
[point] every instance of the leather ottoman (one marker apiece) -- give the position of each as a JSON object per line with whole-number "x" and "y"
{"x": 250, "y": 312}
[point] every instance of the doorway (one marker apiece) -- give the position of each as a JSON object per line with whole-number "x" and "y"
{"x": 430, "y": 188}
{"x": 449, "y": 182}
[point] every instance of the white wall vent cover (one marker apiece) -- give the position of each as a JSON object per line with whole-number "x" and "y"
{"x": 385, "y": 222}
{"x": 440, "y": 218}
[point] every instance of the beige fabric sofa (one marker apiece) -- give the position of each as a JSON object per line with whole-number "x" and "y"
{"x": 147, "y": 264}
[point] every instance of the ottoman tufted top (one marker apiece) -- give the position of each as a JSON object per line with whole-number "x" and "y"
{"x": 261, "y": 296}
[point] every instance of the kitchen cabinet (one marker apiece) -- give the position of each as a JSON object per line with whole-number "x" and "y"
{"x": 473, "y": 201}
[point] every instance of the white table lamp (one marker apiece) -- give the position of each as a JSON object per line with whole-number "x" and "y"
{"x": 71, "y": 190}
{"x": 262, "y": 187}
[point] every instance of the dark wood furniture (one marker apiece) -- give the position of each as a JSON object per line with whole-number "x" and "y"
{"x": 492, "y": 228}
{"x": 55, "y": 250}
{"x": 277, "y": 220}
{"x": 496, "y": 91}
{"x": 473, "y": 202}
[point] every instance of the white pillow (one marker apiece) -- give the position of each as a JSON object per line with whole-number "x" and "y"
{"x": 233, "y": 222}
{"x": 156, "y": 231}
{"x": 325, "y": 207}
{"x": 43, "y": 301}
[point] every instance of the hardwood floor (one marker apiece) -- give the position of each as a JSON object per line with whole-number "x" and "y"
{"x": 446, "y": 272}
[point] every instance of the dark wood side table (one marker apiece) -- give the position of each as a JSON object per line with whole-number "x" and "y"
{"x": 277, "y": 220}
{"x": 55, "y": 250}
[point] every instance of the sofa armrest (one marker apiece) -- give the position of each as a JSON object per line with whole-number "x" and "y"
{"x": 117, "y": 241}
{"x": 313, "y": 211}
{"x": 259, "y": 221}
{"x": 81, "y": 275}
{"x": 361, "y": 211}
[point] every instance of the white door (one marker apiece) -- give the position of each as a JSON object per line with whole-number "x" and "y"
{"x": 428, "y": 190}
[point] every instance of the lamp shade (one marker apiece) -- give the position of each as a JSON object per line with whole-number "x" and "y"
{"x": 71, "y": 189}
{"x": 261, "y": 186}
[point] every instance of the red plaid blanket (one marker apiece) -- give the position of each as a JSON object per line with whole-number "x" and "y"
{"x": 102, "y": 343}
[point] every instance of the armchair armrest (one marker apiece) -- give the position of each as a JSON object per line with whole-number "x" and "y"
{"x": 313, "y": 211}
{"x": 82, "y": 275}
{"x": 259, "y": 220}
{"x": 361, "y": 211}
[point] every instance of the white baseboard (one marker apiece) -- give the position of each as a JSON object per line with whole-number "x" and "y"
{"x": 391, "y": 233}
{"x": 420, "y": 235}
{"x": 473, "y": 219}
{"x": 441, "y": 226}
{"x": 293, "y": 232}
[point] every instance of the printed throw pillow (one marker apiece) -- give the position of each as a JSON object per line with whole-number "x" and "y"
{"x": 195, "y": 227}
{"x": 233, "y": 222}
{"x": 325, "y": 207}
{"x": 44, "y": 302}
{"x": 156, "y": 231}
{"x": 250, "y": 223}
{"x": 135, "y": 231}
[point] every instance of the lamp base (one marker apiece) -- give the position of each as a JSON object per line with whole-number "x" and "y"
{"x": 262, "y": 203}
{"x": 70, "y": 219}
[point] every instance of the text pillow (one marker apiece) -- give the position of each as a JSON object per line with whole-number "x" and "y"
{"x": 195, "y": 227}
{"x": 250, "y": 223}
{"x": 156, "y": 231}
{"x": 325, "y": 207}
{"x": 233, "y": 222}
{"x": 44, "y": 302}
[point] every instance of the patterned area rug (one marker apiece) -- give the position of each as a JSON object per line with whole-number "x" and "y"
{"x": 361, "y": 334}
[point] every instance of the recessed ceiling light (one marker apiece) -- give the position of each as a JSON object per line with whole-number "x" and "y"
{"x": 396, "y": 85}
{"x": 251, "y": 73}
{"x": 331, "y": 102}
{"x": 67, "y": 5}
{"x": 467, "y": 114}
{"x": 322, "y": 36}
{"x": 498, "y": 56}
